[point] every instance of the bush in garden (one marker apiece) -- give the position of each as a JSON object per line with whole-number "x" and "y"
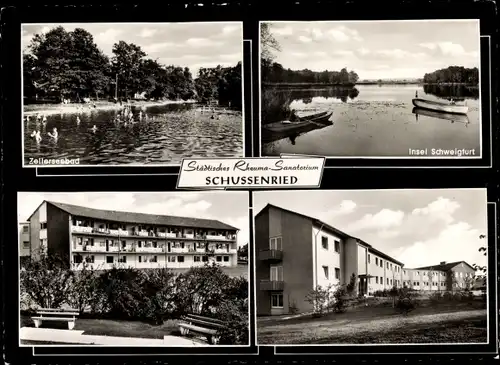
{"x": 158, "y": 287}
{"x": 338, "y": 300}
{"x": 405, "y": 302}
{"x": 234, "y": 314}
{"x": 318, "y": 298}
{"x": 45, "y": 282}
{"x": 83, "y": 288}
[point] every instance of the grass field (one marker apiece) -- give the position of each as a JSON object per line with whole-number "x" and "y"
{"x": 370, "y": 325}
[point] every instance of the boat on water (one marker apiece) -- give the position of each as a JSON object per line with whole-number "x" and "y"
{"x": 454, "y": 118}
{"x": 440, "y": 106}
{"x": 287, "y": 126}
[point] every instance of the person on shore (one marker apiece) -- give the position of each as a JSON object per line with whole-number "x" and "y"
{"x": 54, "y": 133}
{"x": 78, "y": 120}
{"x": 293, "y": 117}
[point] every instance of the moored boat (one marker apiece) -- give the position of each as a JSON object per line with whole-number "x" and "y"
{"x": 287, "y": 126}
{"x": 460, "y": 118}
{"x": 441, "y": 107}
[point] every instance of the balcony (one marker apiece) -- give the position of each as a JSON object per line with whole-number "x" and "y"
{"x": 271, "y": 285}
{"x": 271, "y": 254}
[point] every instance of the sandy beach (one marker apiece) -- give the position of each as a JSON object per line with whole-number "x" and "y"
{"x": 51, "y": 109}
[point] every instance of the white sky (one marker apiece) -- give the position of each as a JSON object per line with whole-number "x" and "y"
{"x": 378, "y": 50}
{"x": 193, "y": 45}
{"x": 228, "y": 207}
{"x": 416, "y": 227}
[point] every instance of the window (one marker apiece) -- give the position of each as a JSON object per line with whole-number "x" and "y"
{"x": 140, "y": 258}
{"x": 122, "y": 259}
{"x": 77, "y": 259}
{"x": 26, "y": 244}
{"x": 90, "y": 259}
{"x": 461, "y": 274}
{"x": 387, "y": 265}
{"x": 376, "y": 261}
{"x": 381, "y": 280}
{"x": 179, "y": 258}
{"x": 381, "y": 263}
{"x": 368, "y": 258}
{"x": 219, "y": 258}
{"x": 276, "y": 273}
{"x": 456, "y": 274}
{"x": 155, "y": 259}
{"x": 275, "y": 243}
{"x": 204, "y": 258}
{"x": 391, "y": 266}
{"x": 226, "y": 258}
{"x": 337, "y": 246}
{"x": 43, "y": 225}
{"x": 324, "y": 242}
{"x": 418, "y": 272}
{"x": 110, "y": 259}
{"x": 387, "y": 281}
{"x": 171, "y": 258}
{"x": 197, "y": 259}
{"x": 25, "y": 229}
{"x": 418, "y": 283}
{"x": 325, "y": 271}
{"x": 376, "y": 279}
{"x": 391, "y": 281}
{"x": 337, "y": 273}
{"x": 277, "y": 300}
{"x": 404, "y": 272}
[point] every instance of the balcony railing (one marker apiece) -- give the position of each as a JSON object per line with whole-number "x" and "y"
{"x": 270, "y": 254}
{"x": 271, "y": 285}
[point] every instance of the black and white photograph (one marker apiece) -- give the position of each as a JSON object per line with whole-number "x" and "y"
{"x": 134, "y": 269}
{"x": 131, "y": 93}
{"x": 371, "y": 89}
{"x": 370, "y": 267}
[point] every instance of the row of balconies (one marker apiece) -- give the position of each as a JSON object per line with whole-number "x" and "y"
{"x": 125, "y": 233}
{"x": 89, "y": 248}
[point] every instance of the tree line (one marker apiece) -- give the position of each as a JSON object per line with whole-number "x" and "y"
{"x": 62, "y": 64}
{"x": 453, "y": 75}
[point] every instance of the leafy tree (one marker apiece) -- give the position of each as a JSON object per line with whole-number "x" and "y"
{"x": 453, "y": 74}
{"x": 243, "y": 252}
{"x": 46, "y": 281}
{"x": 83, "y": 287}
{"x": 126, "y": 62}
{"x": 268, "y": 44}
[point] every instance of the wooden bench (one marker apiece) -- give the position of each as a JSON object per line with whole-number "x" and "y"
{"x": 56, "y": 314}
{"x": 202, "y": 325}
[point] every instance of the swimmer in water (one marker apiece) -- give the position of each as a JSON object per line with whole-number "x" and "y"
{"x": 54, "y": 133}
{"x": 94, "y": 128}
{"x": 37, "y": 136}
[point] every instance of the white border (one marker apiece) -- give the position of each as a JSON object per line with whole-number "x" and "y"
{"x": 492, "y": 221}
{"x": 144, "y": 346}
{"x": 481, "y": 156}
{"x": 132, "y": 165}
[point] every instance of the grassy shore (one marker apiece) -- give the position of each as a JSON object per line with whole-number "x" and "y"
{"x": 49, "y": 109}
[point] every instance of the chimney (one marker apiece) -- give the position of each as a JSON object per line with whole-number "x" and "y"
{"x": 442, "y": 263}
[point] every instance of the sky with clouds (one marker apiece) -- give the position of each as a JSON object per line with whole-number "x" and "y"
{"x": 378, "y": 50}
{"x": 416, "y": 227}
{"x": 228, "y": 207}
{"x": 193, "y": 45}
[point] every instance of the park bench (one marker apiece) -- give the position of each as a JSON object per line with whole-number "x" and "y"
{"x": 202, "y": 325}
{"x": 56, "y": 315}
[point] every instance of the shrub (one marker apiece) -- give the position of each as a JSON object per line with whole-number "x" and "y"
{"x": 339, "y": 303}
{"x": 405, "y": 302}
{"x": 234, "y": 314}
{"x": 319, "y": 298}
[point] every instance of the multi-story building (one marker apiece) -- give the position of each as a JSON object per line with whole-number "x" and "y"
{"x": 442, "y": 277}
{"x": 107, "y": 238}
{"x": 24, "y": 239}
{"x": 297, "y": 253}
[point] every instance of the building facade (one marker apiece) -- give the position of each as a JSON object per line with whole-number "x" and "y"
{"x": 297, "y": 253}
{"x": 105, "y": 239}
{"x": 24, "y": 239}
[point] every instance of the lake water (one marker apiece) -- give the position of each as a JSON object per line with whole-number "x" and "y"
{"x": 164, "y": 136}
{"x": 373, "y": 120}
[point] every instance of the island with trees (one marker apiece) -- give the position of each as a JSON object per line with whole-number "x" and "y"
{"x": 67, "y": 65}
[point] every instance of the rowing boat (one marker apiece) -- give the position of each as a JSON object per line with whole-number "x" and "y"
{"x": 440, "y": 107}
{"x": 461, "y": 118}
{"x": 287, "y": 126}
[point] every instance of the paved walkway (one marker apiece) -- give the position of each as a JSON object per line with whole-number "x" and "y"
{"x": 77, "y": 337}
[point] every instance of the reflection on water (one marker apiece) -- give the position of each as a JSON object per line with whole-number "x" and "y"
{"x": 378, "y": 120}
{"x": 164, "y": 134}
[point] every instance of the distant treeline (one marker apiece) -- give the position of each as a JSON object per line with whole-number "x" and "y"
{"x": 275, "y": 73}
{"x": 62, "y": 64}
{"x": 453, "y": 75}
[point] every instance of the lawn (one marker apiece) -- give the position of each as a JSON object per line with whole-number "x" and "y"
{"x": 119, "y": 328}
{"x": 446, "y": 323}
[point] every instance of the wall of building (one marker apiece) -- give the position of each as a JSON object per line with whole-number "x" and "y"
{"x": 377, "y": 281}
{"x": 326, "y": 258}
{"x": 24, "y": 240}
{"x": 35, "y": 232}
{"x": 462, "y": 274}
{"x": 350, "y": 258}
{"x": 262, "y": 298}
{"x": 58, "y": 232}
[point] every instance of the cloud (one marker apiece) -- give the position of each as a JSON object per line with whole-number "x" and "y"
{"x": 228, "y": 29}
{"x": 363, "y": 51}
{"x": 343, "y": 53}
{"x": 157, "y": 47}
{"x": 109, "y": 36}
{"x": 345, "y": 207}
{"x": 298, "y": 54}
{"x": 203, "y": 42}
{"x": 440, "y": 209}
{"x": 398, "y": 53}
{"x": 344, "y": 34}
{"x": 448, "y": 49}
{"x": 242, "y": 223}
{"x": 384, "y": 219}
{"x": 304, "y": 39}
{"x": 457, "y": 242}
{"x": 282, "y": 30}
{"x": 148, "y": 32}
